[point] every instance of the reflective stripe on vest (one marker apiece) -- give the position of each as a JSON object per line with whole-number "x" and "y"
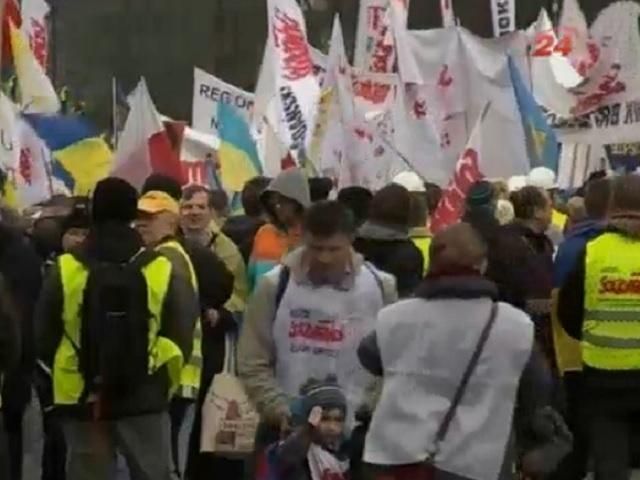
{"x": 190, "y": 377}
{"x": 611, "y": 329}
{"x": 68, "y": 384}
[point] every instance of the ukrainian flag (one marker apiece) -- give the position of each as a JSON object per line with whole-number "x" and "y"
{"x": 542, "y": 144}
{"x": 237, "y": 154}
{"x": 81, "y": 157}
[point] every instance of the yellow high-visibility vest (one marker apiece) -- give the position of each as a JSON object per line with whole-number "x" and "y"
{"x": 68, "y": 383}
{"x": 611, "y": 330}
{"x": 190, "y": 377}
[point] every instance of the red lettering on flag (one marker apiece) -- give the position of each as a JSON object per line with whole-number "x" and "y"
{"x": 291, "y": 40}
{"x": 451, "y": 205}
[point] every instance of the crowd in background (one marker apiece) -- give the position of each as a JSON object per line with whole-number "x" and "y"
{"x": 370, "y": 346}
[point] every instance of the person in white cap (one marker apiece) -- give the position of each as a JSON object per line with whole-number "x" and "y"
{"x": 419, "y": 212}
{"x": 516, "y": 183}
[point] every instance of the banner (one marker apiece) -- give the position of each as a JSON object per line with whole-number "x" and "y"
{"x": 371, "y": 21}
{"x": 208, "y": 91}
{"x": 624, "y": 157}
{"x": 34, "y": 25}
{"x": 503, "y": 14}
{"x": 298, "y": 91}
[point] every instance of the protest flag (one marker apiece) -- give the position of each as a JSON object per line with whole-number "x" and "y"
{"x": 10, "y": 16}
{"x": 37, "y": 94}
{"x": 34, "y": 26}
{"x": 542, "y": 145}
{"x": 144, "y": 146}
{"x": 467, "y": 172}
{"x": 80, "y": 156}
{"x": 238, "y": 156}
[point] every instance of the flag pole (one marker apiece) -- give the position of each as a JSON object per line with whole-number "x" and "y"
{"x": 114, "y": 110}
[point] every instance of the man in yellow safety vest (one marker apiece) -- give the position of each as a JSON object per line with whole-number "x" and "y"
{"x": 116, "y": 322}
{"x": 599, "y": 305}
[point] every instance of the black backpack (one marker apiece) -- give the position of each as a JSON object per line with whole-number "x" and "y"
{"x": 114, "y": 332}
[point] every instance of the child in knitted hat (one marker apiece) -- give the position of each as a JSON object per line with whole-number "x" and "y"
{"x": 314, "y": 449}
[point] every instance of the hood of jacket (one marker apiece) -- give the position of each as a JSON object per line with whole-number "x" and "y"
{"x": 112, "y": 242}
{"x": 587, "y": 229}
{"x": 377, "y": 231}
{"x": 539, "y": 242}
{"x": 292, "y": 184}
{"x": 627, "y": 224}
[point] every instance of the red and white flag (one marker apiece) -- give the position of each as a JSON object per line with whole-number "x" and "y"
{"x": 574, "y": 40}
{"x": 469, "y": 170}
{"x": 144, "y": 145}
{"x": 34, "y": 25}
{"x": 32, "y": 177}
{"x": 298, "y": 90}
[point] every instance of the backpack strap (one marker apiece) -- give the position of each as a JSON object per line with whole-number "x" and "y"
{"x": 376, "y": 277}
{"x": 283, "y": 283}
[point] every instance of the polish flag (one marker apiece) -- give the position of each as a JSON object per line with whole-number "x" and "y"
{"x": 144, "y": 145}
{"x": 468, "y": 171}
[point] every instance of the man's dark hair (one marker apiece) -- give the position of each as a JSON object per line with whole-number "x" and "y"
{"x": 251, "y": 196}
{"x": 625, "y": 194}
{"x": 434, "y": 194}
{"x": 163, "y": 183}
{"x": 390, "y": 206}
{"x": 597, "y": 198}
{"x": 418, "y": 211}
{"x": 320, "y": 188}
{"x": 527, "y": 200}
{"x": 219, "y": 201}
{"x": 358, "y": 200}
{"x": 328, "y": 218}
{"x": 192, "y": 190}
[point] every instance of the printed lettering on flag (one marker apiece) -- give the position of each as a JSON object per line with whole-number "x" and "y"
{"x": 34, "y": 25}
{"x": 297, "y": 86}
{"x": 503, "y": 14}
{"x": 208, "y": 91}
{"x": 468, "y": 171}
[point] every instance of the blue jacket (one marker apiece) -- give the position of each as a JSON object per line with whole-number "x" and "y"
{"x": 569, "y": 251}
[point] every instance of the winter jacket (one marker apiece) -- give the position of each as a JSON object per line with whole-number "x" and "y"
{"x": 568, "y": 353}
{"x": 21, "y": 268}
{"x": 119, "y": 243}
{"x": 392, "y": 251}
{"x": 534, "y": 390}
{"x": 257, "y": 348}
{"x": 569, "y": 251}
{"x": 242, "y": 230}
{"x": 273, "y": 241}
{"x": 228, "y": 252}
{"x": 614, "y": 391}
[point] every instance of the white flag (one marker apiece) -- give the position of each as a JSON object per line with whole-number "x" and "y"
{"x": 574, "y": 42}
{"x": 503, "y": 14}
{"x": 298, "y": 88}
{"x": 32, "y": 177}
{"x": 9, "y": 136}
{"x": 34, "y": 25}
{"x": 448, "y": 16}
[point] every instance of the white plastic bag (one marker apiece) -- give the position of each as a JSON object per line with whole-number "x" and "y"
{"x": 229, "y": 419}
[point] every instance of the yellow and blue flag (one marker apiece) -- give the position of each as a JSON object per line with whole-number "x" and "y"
{"x": 237, "y": 154}
{"x": 81, "y": 157}
{"x": 542, "y": 144}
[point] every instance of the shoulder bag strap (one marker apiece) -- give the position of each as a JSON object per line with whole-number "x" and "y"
{"x": 473, "y": 363}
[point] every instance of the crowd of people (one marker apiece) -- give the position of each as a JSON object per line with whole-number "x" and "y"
{"x": 504, "y": 346}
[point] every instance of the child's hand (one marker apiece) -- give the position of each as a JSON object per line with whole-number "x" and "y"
{"x": 315, "y": 416}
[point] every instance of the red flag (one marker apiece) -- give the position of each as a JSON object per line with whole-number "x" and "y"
{"x": 467, "y": 172}
{"x": 144, "y": 145}
{"x": 11, "y": 15}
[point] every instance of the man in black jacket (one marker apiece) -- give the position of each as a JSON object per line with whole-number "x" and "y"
{"x": 97, "y": 422}
{"x": 599, "y": 304}
{"x": 20, "y": 268}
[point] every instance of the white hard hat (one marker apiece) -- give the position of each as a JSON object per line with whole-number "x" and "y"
{"x": 516, "y": 183}
{"x": 542, "y": 177}
{"x": 411, "y": 181}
